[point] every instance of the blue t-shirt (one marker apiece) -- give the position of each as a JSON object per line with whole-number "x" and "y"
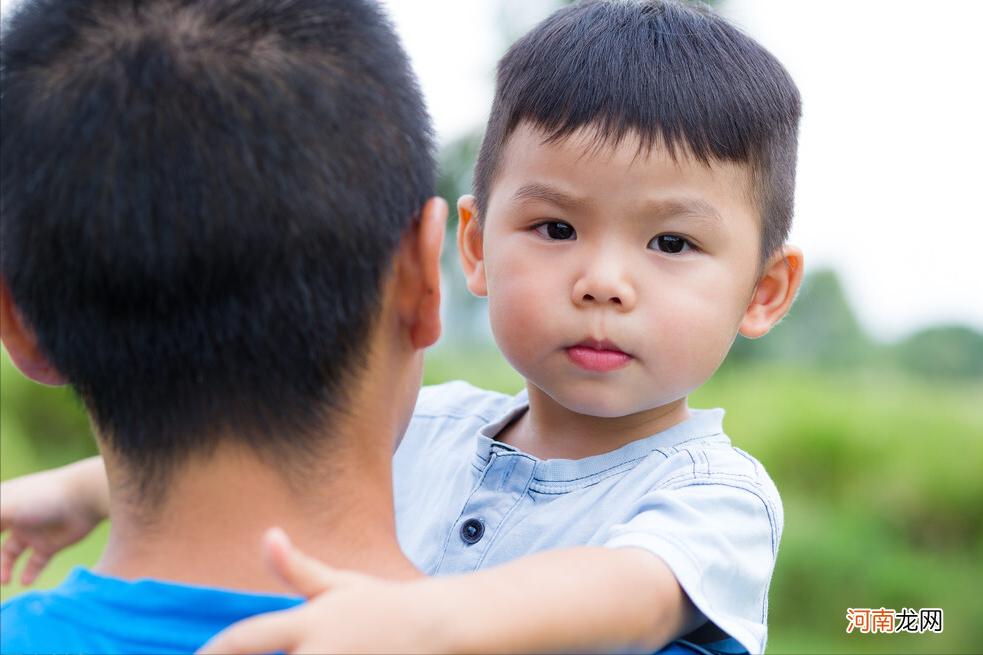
{"x": 91, "y": 613}
{"x": 465, "y": 501}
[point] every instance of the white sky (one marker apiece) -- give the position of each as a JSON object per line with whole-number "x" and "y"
{"x": 890, "y": 177}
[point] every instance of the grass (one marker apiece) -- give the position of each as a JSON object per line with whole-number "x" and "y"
{"x": 879, "y": 473}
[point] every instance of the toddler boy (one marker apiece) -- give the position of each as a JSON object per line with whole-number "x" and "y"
{"x": 632, "y": 197}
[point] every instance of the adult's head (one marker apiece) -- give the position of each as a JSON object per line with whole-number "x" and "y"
{"x": 670, "y": 73}
{"x": 200, "y": 207}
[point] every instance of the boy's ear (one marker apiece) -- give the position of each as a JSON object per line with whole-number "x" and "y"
{"x": 774, "y": 293}
{"x": 22, "y": 344}
{"x": 418, "y": 273}
{"x": 471, "y": 246}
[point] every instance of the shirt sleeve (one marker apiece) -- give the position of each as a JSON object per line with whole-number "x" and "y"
{"x": 717, "y": 526}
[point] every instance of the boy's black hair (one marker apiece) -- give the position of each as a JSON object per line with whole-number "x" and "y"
{"x": 201, "y": 201}
{"x": 671, "y": 73}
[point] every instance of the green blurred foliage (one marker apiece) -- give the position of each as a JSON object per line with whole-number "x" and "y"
{"x": 953, "y": 351}
{"x": 53, "y": 417}
{"x": 879, "y": 473}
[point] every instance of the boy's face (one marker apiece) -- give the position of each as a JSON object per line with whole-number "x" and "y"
{"x": 616, "y": 280}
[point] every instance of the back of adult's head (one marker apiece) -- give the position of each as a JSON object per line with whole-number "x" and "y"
{"x": 200, "y": 204}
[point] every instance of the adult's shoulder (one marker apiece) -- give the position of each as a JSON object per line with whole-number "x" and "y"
{"x": 41, "y": 622}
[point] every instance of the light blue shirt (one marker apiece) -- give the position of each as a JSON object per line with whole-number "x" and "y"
{"x": 709, "y": 510}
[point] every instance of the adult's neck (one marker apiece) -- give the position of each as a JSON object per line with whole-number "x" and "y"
{"x": 207, "y": 529}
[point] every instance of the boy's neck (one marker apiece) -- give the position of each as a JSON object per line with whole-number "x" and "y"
{"x": 551, "y": 431}
{"x": 208, "y": 530}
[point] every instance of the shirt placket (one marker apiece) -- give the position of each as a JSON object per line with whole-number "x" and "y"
{"x": 500, "y": 491}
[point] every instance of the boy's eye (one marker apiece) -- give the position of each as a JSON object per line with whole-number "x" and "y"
{"x": 557, "y": 230}
{"x": 670, "y": 243}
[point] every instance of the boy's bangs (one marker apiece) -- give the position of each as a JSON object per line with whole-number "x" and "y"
{"x": 671, "y": 75}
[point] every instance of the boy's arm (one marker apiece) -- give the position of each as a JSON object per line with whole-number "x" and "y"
{"x": 47, "y": 511}
{"x": 576, "y": 599}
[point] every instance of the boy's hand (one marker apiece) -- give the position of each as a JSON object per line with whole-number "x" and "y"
{"x": 348, "y": 612}
{"x": 46, "y": 512}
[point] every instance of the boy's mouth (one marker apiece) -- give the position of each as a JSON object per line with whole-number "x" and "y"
{"x": 599, "y": 356}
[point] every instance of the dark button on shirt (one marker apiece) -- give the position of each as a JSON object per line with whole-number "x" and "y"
{"x": 472, "y": 530}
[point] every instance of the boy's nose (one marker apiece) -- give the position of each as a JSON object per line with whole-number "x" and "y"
{"x": 605, "y": 283}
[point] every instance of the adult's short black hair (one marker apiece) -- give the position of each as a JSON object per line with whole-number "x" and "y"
{"x": 672, "y": 73}
{"x": 201, "y": 200}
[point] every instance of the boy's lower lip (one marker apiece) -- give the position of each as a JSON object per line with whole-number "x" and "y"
{"x": 592, "y": 359}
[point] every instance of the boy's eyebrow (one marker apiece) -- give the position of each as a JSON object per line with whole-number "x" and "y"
{"x": 690, "y": 207}
{"x": 544, "y": 192}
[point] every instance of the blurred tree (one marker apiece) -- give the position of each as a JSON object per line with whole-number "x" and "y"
{"x": 820, "y": 328}
{"x": 464, "y": 315}
{"x": 943, "y": 352}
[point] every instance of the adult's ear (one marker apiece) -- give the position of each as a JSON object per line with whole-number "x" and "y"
{"x": 22, "y": 344}
{"x": 775, "y": 292}
{"x": 470, "y": 246}
{"x": 418, "y": 272}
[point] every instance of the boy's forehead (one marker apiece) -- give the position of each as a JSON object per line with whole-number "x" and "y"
{"x": 591, "y": 145}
